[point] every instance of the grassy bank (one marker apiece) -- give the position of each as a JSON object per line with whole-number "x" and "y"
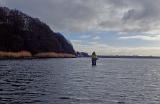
{"x": 27, "y": 54}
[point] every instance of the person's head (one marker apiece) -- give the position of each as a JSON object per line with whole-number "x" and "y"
{"x": 94, "y": 53}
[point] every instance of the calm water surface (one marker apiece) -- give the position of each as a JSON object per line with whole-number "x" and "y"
{"x": 75, "y": 81}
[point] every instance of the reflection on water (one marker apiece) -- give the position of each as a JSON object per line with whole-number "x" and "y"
{"x": 75, "y": 81}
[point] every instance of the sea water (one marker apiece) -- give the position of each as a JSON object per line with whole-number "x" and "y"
{"x": 75, "y": 81}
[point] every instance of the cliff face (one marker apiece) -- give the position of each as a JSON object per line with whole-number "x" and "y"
{"x": 20, "y": 32}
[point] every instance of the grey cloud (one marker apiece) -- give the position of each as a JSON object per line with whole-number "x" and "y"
{"x": 136, "y": 15}
{"x": 60, "y": 14}
{"x": 80, "y": 15}
{"x": 2, "y": 3}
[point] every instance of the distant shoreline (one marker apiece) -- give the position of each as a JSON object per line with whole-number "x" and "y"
{"x": 133, "y": 57}
{"x": 45, "y": 55}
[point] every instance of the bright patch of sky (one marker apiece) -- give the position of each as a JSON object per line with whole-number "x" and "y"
{"x": 109, "y": 27}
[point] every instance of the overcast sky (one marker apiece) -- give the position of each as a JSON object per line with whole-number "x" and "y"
{"x": 109, "y": 27}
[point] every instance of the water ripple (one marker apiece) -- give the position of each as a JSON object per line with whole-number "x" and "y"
{"x": 75, "y": 81}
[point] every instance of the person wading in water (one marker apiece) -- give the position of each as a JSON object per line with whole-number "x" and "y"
{"x": 94, "y": 59}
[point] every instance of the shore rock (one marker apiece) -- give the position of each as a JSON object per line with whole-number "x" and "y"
{"x": 82, "y": 54}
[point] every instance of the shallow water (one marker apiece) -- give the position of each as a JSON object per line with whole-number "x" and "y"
{"x": 75, "y": 81}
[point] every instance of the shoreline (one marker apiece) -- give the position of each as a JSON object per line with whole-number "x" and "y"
{"x": 34, "y": 58}
{"x": 28, "y": 55}
{"x": 45, "y": 55}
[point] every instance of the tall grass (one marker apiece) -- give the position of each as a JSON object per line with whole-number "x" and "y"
{"x": 21, "y": 54}
{"x": 27, "y": 54}
{"x": 55, "y": 55}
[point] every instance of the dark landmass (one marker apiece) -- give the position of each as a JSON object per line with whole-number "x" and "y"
{"x": 82, "y": 54}
{"x": 24, "y": 36}
{"x": 155, "y": 57}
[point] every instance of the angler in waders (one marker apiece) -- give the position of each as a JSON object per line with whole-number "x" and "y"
{"x": 94, "y": 59}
